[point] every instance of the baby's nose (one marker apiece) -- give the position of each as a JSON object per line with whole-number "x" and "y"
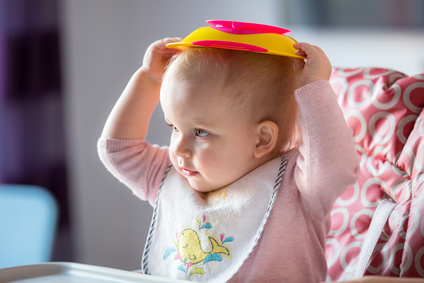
{"x": 182, "y": 148}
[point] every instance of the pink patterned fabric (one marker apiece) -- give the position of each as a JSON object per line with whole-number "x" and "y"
{"x": 385, "y": 110}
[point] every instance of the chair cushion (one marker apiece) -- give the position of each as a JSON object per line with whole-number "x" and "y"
{"x": 385, "y": 110}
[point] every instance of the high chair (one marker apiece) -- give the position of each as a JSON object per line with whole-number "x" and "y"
{"x": 378, "y": 224}
{"x": 27, "y": 225}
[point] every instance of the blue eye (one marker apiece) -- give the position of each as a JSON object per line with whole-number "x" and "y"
{"x": 201, "y": 133}
{"x": 174, "y": 129}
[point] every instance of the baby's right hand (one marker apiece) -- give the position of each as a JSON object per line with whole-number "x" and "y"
{"x": 315, "y": 67}
{"x": 156, "y": 58}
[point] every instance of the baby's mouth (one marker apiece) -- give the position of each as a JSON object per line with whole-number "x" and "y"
{"x": 188, "y": 172}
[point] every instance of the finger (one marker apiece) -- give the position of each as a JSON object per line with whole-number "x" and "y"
{"x": 300, "y": 53}
{"x": 167, "y": 40}
{"x": 309, "y": 49}
{"x": 161, "y": 43}
{"x": 301, "y": 45}
{"x": 306, "y": 48}
{"x": 159, "y": 46}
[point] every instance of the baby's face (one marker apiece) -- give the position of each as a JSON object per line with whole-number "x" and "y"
{"x": 211, "y": 146}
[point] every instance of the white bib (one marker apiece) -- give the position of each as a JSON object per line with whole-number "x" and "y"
{"x": 208, "y": 237}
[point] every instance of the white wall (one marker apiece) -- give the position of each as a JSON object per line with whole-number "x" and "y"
{"x": 398, "y": 49}
{"x": 103, "y": 44}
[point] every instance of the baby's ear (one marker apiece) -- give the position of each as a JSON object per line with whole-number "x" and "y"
{"x": 267, "y": 137}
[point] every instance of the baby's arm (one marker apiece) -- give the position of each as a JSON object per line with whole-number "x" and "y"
{"x": 328, "y": 162}
{"x": 130, "y": 116}
{"x": 122, "y": 148}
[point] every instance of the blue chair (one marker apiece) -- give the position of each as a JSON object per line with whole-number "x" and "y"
{"x": 28, "y": 217}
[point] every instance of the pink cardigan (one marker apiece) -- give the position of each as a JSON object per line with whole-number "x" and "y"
{"x": 292, "y": 247}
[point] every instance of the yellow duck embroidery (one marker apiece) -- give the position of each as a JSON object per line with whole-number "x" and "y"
{"x": 190, "y": 252}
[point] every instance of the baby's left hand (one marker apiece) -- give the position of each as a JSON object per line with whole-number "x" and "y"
{"x": 315, "y": 67}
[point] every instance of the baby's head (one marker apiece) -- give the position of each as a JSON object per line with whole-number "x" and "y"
{"x": 249, "y": 91}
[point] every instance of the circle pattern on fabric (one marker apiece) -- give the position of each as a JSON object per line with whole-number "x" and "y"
{"x": 384, "y": 108}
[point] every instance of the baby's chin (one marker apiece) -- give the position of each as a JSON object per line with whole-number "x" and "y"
{"x": 201, "y": 185}
{"x": 204, "y": 188}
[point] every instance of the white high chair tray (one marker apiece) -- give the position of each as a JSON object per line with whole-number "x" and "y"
{"x": 66, "y": 272}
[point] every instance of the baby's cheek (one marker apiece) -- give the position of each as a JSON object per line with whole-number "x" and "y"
{"x": 219, "y": 169}
{"x": 173, "y": 158}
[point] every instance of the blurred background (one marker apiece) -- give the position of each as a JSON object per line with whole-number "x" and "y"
{"x": 64, "y": 63}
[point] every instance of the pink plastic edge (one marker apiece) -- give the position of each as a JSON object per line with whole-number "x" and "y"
{"x": 234, "y": 27}
{"x": 229, "y": 45}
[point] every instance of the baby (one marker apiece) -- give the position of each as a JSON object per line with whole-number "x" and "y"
{"x": 259, "y": 152}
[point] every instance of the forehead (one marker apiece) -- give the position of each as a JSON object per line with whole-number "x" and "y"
{"x": 189, "y": 104}
{"x": 192, "y": 93}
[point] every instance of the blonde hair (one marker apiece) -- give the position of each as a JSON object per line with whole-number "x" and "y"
{"x": 261, "y": 85}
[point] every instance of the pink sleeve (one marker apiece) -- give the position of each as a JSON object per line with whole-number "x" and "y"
{"x": 136, "y": 163}
{"x": 328, "y": 162}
